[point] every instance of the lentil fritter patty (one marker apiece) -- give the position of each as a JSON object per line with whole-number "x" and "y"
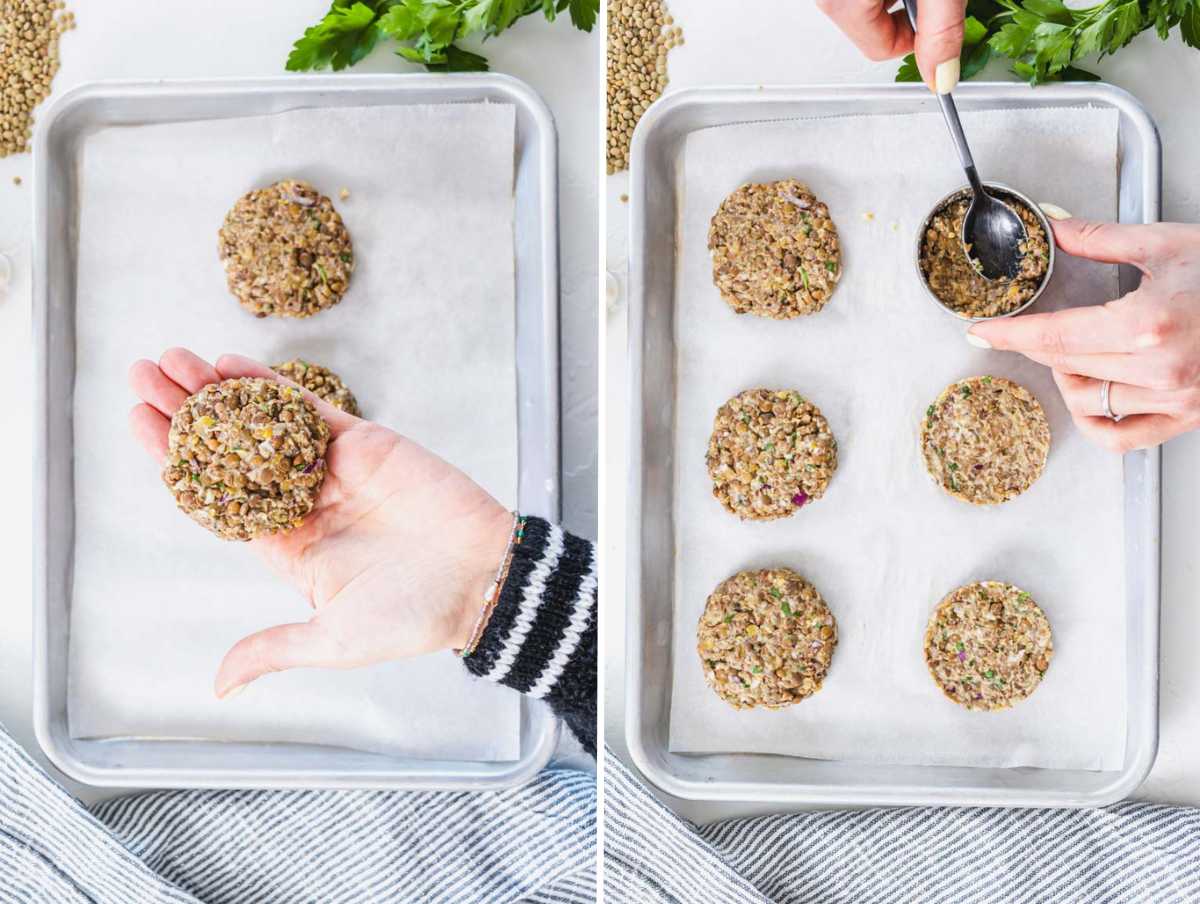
{"x": 771, "y": 452}
{"x": 775, "y": 250}
{"x": 988, "y": 645}
{"x": 246, "y": 457}
{"x": 952, "y": 276}
{"x": 286, "y": 251}
{"x": 985, "y": 440}
{"x": 321, "y": 382}
{"x": 766, "y": 638}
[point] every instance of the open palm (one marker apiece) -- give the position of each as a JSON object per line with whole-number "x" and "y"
{"x": 395, "y": 558}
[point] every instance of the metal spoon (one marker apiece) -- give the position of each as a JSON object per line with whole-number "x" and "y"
{"x": 992, "y": 232}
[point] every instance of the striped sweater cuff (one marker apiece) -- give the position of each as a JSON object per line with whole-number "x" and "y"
{"x": 541, "y": 639}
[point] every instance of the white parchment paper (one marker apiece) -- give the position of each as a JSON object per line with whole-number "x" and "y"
{"x": 885, "y": 544}
{"x": 424, "y": 338}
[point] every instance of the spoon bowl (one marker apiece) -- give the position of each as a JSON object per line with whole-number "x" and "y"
{"x": 992, "y": 235}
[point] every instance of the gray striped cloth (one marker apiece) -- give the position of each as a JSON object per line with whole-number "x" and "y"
{"x": 1131, "y": 852}
{"x": 532, "y": 844}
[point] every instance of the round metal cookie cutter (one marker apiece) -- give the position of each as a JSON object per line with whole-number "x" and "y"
{"x": 1001, "y": 191}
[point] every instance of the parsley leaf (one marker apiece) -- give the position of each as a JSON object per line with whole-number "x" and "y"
{"x": 426, "y": 31}
{"x": 346, "y": 35}
{"x": 1046, "y": 39}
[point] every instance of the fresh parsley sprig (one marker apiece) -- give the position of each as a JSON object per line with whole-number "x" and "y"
{"x": 427, "y": 31}
{"x": 1044, "y": 39}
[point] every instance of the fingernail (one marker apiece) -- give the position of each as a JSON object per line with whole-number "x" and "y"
{"x": 234, "y": 691}
{"x": 1053, "y": 211}
{"x": 945, "y": 77}
{"x": 978, "y": 341}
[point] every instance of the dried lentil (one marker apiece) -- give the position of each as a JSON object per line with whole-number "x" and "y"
{"x": 985, "y": 440}
{"x": 29, "y": 36}
{"x": 766, "y": 638}
{"x": 770, "y": 453}
{"x": 775, "y": 250}
{"x": 321, "y": 382}
{"x": 286, "y": 251}
{"x": 246, "y": 458}
{"x": 640, "y": 34}
{"x": 987, "y": 645}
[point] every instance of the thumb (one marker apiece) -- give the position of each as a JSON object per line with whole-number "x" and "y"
{"x": 276, "y": 649}
{"x": 1111, "y": 243}
{"x": 939, "y": 41}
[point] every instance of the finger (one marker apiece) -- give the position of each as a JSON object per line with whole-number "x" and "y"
{"x": 877, "y": 33}
{"x": 230, "y": 366}
{"x": 1142, "y": 431}
{"x": 188, "y": 369}
{"x": 150, "y": 428}
{"x": 1093, "y": 329}
{"x": 155, "y": 388}
{"x": 1137, "y": 370}
{"x": 1083, "y": 396}
{"x": 1139, "y": 244}
{"x": 939, "y": 42}
{"x": 295, "y": 646}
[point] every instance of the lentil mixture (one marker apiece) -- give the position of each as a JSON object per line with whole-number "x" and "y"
{"x": 988, "y": 645}
{"x": 766, "y": 638}
{"x": 29, "y": 36}
{"x": 246, "y": 458}
{"x": 952, "y": 277}
{"x": 771, "y": 452}
{"x": 321, "y": 382}
{"x": 286, "y": 251}
{"x": 640, "y": 34}
{"x": 985, "y": 440}
{"x": 775, "y": 250}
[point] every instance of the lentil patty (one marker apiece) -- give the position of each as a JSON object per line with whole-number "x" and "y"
{"x": 286, "y": 251}
{"x": 988, "y": 645}
{"x": 985, "y": 440}
{"x": 766, "y": 638}
{"x": 771, "y": 452}
{"x": 321, "y": 382}
{"x": 954, "y": 280}
{"x": 246, "y": 457}
{"x": 775, "y": 250}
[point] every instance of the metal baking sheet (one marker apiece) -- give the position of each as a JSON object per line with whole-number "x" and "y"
{"x": 656, "y": 172}
{"x": 151, "y": 763}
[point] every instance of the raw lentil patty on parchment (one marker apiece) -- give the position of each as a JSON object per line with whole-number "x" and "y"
{"x": 771, "y": 452}
{"x": 985, "y": 440}
{"x": 286, "y": 251}
{"x": 766, "y": 638}
{"x": 321, "y": 382}
{"x": 988, "y": 645}
{"x": 775, "y": 250}
{"x": 246, "y": 458}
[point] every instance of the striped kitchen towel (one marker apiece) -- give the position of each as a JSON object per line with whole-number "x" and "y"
{"x": 1131, "y": 852}
{"x": 530, "y": 844}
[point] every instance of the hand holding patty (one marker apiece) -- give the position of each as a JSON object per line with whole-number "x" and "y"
{"x": 395, "y": 557}
{"x": 881, "y": 35}
{"x": 1147, "y": 343}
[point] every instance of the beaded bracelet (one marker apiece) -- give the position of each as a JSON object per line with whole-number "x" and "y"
{"x": 493, "y": 595}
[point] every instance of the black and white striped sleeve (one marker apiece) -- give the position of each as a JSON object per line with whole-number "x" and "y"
{"x": 541, "y": 639}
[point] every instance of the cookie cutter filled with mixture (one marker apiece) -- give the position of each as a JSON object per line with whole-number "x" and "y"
{"x": 953, "y": 282}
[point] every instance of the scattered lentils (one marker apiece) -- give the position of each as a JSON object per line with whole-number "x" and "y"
{"x": 29, "y": 35}
{"x": 640, "y": 33}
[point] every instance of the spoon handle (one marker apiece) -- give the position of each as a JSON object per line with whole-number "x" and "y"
{"x": 950, "y": 113}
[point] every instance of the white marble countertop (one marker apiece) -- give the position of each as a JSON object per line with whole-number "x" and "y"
{"x": 779, "y": 42}
{"x": 125, "y": 39}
